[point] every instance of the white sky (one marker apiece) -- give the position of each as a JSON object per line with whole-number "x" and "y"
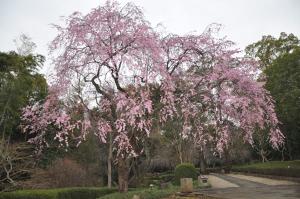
{"x": 244, "y": 21}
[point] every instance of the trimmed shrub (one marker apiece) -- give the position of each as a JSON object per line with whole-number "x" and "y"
{"x": 143, "y": 194}
{"x": 275, "y": 168}
{"x": 30, "y": 194}
{"x": 276, "y": 171}
{"x": 86, "y": 193}
{"x": 67, "y": 193}
{"x": 185, "y": 170}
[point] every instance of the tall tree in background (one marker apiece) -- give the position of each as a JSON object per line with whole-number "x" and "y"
{"x": 278, "y": 58}
{"x": 20, "y": 84}
{"x": 283, "y": 81}
{"x": 269, "y": 48}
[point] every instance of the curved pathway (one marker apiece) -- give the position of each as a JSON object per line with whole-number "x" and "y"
{"x": 251, "y": 189}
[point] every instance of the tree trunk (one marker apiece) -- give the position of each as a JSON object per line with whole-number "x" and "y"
{"x": 289, "y": 149}
{"x": 282, "y": 154}
{"x": 109, "y": 161}
{"x": 180, "y": 152}
{"x": 227, "y": 161}
{"x": 202, "y": 163}
{"x": 263, "y": 156}
{"x": 123, "y": 174}
{"x": 180, "y": 157}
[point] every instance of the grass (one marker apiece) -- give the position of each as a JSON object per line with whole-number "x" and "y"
{"x": 145, "y": 193}
{"x": 272, "y": 165}
{"x": 154, "y": 193}
{"x": 275, "y": 168}
{"x": 94, "y": 192}
{"x": 62, "y": 193}
{"x": 103, "y": 192}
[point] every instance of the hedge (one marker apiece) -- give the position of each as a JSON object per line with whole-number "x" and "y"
{"x": 65, "y": 193}
{"x": 185, "y": 170}
{"x": 277, "y": 168}
{"x": 143, "y": 194}
{"x": 276, "y": 171}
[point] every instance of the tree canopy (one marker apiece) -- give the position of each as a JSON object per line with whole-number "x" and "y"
{"x": 280, "y": 72}
{"x": 125, "y": 62}
{"x": 20, "y": 84}
{"x": 283, "y": 81}
{"x": 269, "y": 48}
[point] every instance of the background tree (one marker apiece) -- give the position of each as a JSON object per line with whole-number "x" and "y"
{"x": 20, "y": 85}
{"x": 25, "y": 45}
{"x": 280, "y": 76}
{"x": 269, "y": 48}
{"x": 283, "y": 81}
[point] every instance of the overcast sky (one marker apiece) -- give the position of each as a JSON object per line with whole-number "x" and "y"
{"x": 244, "y": 21}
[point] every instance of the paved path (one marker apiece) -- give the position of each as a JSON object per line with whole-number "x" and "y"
{"x": 218, "y": 183}
{"x": 254, "y": 189}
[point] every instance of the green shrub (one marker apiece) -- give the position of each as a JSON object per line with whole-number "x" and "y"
{"x": 158, "y": 178}
{"x": 86, "y": 193}
{"x": 142, "y": 193}
{"x": 276, "y": 171}
{"x": 185, "y": 170}
{"x": 66, "y": 193}
{"x": 30, "y": 194}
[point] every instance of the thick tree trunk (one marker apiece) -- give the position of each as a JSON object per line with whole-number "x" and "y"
{"x": 123, "y": 174}
{"x": 227, "y": 161}
{"x": 179, "y": 152}
{"x": 109, "y": 161}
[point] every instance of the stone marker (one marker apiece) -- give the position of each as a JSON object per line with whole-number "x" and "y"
{"x": 136, "y": 197}
{"x": 202, "y": 179}
{"x": 186, "y": 185}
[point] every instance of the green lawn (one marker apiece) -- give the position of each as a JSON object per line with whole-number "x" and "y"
{"x": 63, "y": 193}
{"x": 276, "y": 168}
{"x": 145, "y": 193}
{"x": 96, "y": 193}
{"x": 273, "y": 165}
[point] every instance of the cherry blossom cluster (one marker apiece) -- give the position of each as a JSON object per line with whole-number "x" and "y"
{"x": 124, "y": 60}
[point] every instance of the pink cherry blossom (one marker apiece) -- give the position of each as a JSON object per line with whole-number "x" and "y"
{"x": 119, "y": 56}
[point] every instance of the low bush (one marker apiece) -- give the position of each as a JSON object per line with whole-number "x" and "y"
{"x": 185, "y": 170}
{"x": 66, "y": 193}
{"x": 61, "y": 173}
{"x": 158, "y": 178}
{"x": 143, "y": 194}
{"x": 84, "y": 193}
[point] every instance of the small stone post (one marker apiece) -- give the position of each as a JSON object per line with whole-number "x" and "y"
{"x": 202, "y": 179}
{"x": 186, "y": 185}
